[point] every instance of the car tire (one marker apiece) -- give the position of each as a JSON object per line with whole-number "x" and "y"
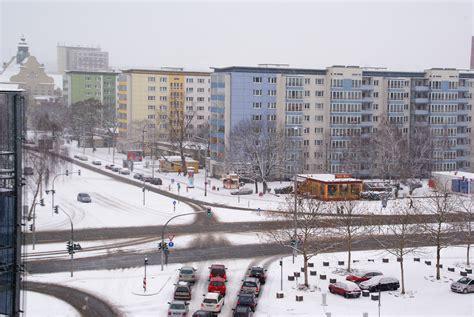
{"x": 345, "y": 295}
{"x": 464, "y": 291}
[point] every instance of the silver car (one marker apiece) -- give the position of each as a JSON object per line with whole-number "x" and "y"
{"x": 187, "y": 274}
{"x": 242, "y": 191}
{"x": 84, "y": 198}
{"x": 250, "y": 285}
{"x": 464, "y": 285}
{"x": 178, "y": 308}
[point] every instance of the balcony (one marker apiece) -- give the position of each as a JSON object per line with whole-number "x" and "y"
{"x": 421, "y": 112}
{"x": 421, "y": 100}
{"x": 463, "y": 100}
{"x": 367, "y": 87}
{"x": 421, "y": 88}
{"x": 463, "y": 88}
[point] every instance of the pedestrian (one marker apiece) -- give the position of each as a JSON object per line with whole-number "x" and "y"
{"x": 179, "y": 172}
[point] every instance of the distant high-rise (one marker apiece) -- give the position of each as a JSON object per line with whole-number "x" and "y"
{"x": 472, "y": 53}
{"x": 82, "y": 59}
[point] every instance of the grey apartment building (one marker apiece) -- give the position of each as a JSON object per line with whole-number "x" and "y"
{"x": 322, "y": 109}
{"x": 81, "y": 59}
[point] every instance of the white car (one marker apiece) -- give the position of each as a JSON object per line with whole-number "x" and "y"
{"x": 213, "y": 302}
{"x": 124, "y": 171}
{"x": 97, "y": 162}
{"x": 463, "y": 285}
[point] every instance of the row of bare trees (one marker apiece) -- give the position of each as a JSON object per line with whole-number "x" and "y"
{"x": 323, "y": 226}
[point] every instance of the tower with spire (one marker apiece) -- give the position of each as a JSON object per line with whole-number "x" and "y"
{"x": 23, "y": 50}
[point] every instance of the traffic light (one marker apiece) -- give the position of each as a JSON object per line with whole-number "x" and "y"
{"x": 31, "y": 227}
{"x": 281, "y": 263}
{"x": 79, "y": 172}
{"x": 67, "y": 173}
{"x": 69, "y": 247}
{"x": 159, "y": 246}
{"x": 165, "y": 246}
{"x": 42, "y": 202}
{"x": 56, "y": 209}
{"x": 209, "y": 212}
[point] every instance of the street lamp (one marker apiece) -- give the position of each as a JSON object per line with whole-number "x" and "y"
{"x": 71, "y": 246}
{"x": 53, "y": 191}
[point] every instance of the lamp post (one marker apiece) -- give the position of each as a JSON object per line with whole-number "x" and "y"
{"x": 208, "y": 211}
{"x": 295, "y": 221}
{"x": 53, "y": 191}
{"x": 144, "y": 278}
{"x": 143, "y": 140}
{"x": 33, "y": 226}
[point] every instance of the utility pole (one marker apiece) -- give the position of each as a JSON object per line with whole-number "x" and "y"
{"x": 294, "y": 216}
{"x": 143, "y": 141}
{"x": 71, "y": 246}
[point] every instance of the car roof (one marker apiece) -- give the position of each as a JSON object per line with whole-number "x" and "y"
{"x": 217, "y": 266}
{"x": 256, "y": 268}
{"x": 251, "y": 279}
{"x": 83, "y": 194}
{"x": 182, "y": 283}
{"x": 217, "y": 279}
{"x": 187, "y": 268}
{"x": 246, "y": 295}
{"x": 178, "y": 302}
{"x": 212, "y": 295}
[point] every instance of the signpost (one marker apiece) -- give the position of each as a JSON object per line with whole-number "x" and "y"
{"x": 174, "y": 205}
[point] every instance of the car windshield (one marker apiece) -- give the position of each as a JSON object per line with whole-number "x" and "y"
{"x": 217, "y": 283}
{"x": 218, "y": 272}
{"x": 184, "y": 271}
{"x": 464, "y": 280}
{"x": 256, "y": 272}
{"x": 182, "y": 289}
{"x": 177, "y": 306}
{"x": 210, "y": 301}
{"x": 245, "y": 299}
{"x": 249, "y": 284}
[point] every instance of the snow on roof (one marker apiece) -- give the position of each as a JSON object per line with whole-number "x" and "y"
{"x": 328, "y": 178}
{"x": 9, "y": 87}
{"x": 177, "y": 159}
{"x": 455, "y": 174}
{"x": 12, "y": 69}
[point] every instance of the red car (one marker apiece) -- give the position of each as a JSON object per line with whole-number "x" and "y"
{"x": 346, "y": 289}
{"x": 362, "y": 276}
{"x": 217, "y": 270}
{"x": 217, "y": 285}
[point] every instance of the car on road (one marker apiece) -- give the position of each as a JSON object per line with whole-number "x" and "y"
{"x": 258, "y": 272}
{"x": 464, "y": 285}
{"x": 203, "y": 313}
{"x": 84, "y": 198}
{"x": 115, "y": 168}
{"x": 242, "y": 191}
{"x": 156, "y": 181}
{"x": 97, "y": 162}
{"x": 146, "y": 179}
{"x": 242, "y": 311}
{"x": 77, "y": 156}
{"x": 212, "y": 302}
{"x": 249, "y": 300}
{"x": 138, "y": 176}
{"x": 217, "y": 270}
{"x": 217, "y": 285}
{"x": 380, "y": 283}
{"x": 362, "y": 276}
{"x": 109, "y": 166}
{"x": 250, "y": 285}
{"x": 346, "y": 289}
{"x": 124, "y": 171}
{"x": 83, "y": 158}
{"x": 187, "y": 274}
{"x": 182, "y": 291}
{"x": 178, "y": 308}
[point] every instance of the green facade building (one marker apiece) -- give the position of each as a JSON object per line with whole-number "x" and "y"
{"x": 83, "y": 85}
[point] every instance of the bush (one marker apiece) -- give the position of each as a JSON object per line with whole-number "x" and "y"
{"x": 284, "y": 190}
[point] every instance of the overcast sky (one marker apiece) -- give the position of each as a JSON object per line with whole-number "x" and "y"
{"x": 402, "y": 35}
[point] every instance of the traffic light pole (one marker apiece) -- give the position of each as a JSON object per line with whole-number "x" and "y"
{"x": 53, "y": 191}
{"x": 72, "y": 240}
{"x": 166, "y": 224}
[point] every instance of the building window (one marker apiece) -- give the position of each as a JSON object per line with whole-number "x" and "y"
{"x": 272, "y": 92}
{"x": 151, "y": 97}
{"x": 257, "y": 92}
{"x": 151, "y": 79}
{"x": 319, "y": 93}
{"x": 257, "y": 117}
{"x": 200, "y": 90}
{"x": 271, "y": 117}
{"x": 257, "y": 79}
{"x": 257, "y": 105}
{"x": 200, "y": 80}
{"x": 272, "y": 105}
{"x": 272, "y": 80}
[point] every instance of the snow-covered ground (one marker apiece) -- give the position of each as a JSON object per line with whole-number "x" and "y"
{"x": 47, "y": 306}
{"x": 425, "y": 295}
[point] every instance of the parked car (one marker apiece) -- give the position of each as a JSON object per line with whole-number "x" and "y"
{"x": 217, "y": 270}
{"x": 115, "y": 169}
{"x": 182, "y": 291}
{"x": 146, "y": 179}
{"x": 250, "y": 285}
{"x": 109, "y": 166}
{"x": 217, "y": 285}
{"x": 124, "y": 171}
{"x": 84, "y": 198}
{"x": 178, "y": 308}
{"x": 203, "y": 313}
{"x": 362, "y": 276}
{"x": 249, "y": 300}
{"x": 187, "y": 274}
{"x": 83, "y": 158}
{"x": 346, "y": 289}
{"x": 138, "y": 176}
{"x": 77, "y": 156}
{"x": 464, "y": 285}
{"x": 380, "y": 283}
{"x": 242, "y": 311}
{"x": 242, "y": 191}
{"x": 258, "y": 272}
{"x": 97, "y": 162}
{"x": 213, "y": 302}
{"x": 27, "y": 170}
{"x": 156, "y": 181}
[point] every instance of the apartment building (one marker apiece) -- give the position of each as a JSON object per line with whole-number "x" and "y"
{"x": 321, "y": 110}
{"x": 83, "y": 85}
{"x": 81, "y": 58}
{"x": 158, "y": 100}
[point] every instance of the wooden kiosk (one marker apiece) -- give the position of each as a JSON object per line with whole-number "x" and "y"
{"x": 330, "y": 187}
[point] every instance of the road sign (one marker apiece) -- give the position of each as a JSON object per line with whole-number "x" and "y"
{"x": 174, "y": 202}
{"x": 171, "y": 244}
{"x": 171, "y": 237}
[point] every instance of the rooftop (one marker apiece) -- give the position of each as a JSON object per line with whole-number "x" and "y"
{"x": 329, "y": 178}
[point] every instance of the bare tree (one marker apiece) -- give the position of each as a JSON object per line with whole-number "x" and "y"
{"x": 417, "y": 158}
{"x": 441, "y": 232}
{"x": 309, "y": 227}
{"x": 466, "y": 207}
{"x": 349, "y": 214}
{"x": 87, "y": 116}
{"x": 401, "y": 233}
{"x": 258, "y": 149}
{"x": 180, "y": 128}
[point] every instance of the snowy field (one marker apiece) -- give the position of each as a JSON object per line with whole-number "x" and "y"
{"x": 47, "y": 306}
{"x": 425, "y": 295}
